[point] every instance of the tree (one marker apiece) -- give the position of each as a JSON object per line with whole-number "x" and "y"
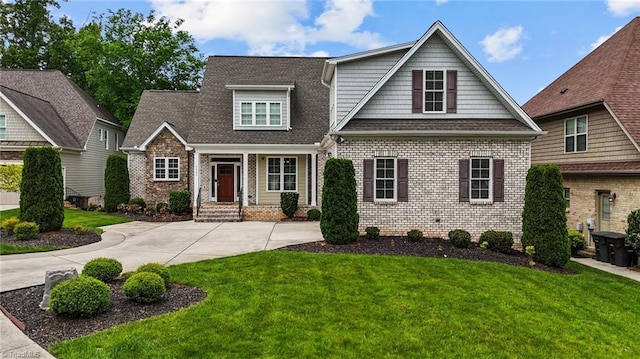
{"x": 126, "y": 53}
{"x": 41, "y": 190}
{"x": 116, "y": 182}
{"x": 544, "y": 220}
{"x": 339, "y": 221}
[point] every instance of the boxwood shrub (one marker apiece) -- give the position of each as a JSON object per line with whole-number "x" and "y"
{"x": 179, "y": 201}
{"x": 314, "y": 214}
{"x": 414, "y": 235}
{"x": 103, "y": 269}
{"x": 158, "y": 269}
{"x": 138, "y": 201}
{"x": 289, "y": 203}
{"x": 498, "y": 241}
{"x": 25, "y": 231}
{"x": 372, "y": 232}
{"x": 460, "y": 238}
{"x": 8, "y": 224}
{"x": 144, "y": 287}
{"x": 80, "y": 297}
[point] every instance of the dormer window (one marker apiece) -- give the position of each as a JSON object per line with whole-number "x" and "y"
{"x": 261, "y": 107}
{"x": 261, "y": 114}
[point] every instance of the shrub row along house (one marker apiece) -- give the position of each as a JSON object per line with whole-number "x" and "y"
{"x": 592, "y": 116}
{"x": 436, "y": 143}
{"x": 44, "y": 108}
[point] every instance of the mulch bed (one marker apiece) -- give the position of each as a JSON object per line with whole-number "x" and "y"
{"x": 46, "y": 328}
{"x": 165, "y": 217}
{"x": 64, "y": 237}
{"x": 432, "y": 247}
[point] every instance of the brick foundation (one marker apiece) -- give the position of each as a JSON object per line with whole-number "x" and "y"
{"x": 270, "y": 213}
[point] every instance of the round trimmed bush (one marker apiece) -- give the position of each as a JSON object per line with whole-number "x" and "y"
{"x": 158, "y": 269}
{"x": 144, "y": 287}
{"x": 103, "y": 269}
{"x": 314, "y": 214}
{"x": 414, "y": 235}
{"x": 80, "y": 297}
{"x": 372, "y": 232}
{"x": 138, "y": 201}
{"x": 498, "y": 241}
{"x": 25, "y": 231}
{"x": 8, "y": 224}
{"x": 460, "y": 238}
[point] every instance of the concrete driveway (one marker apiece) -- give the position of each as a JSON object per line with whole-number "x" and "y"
{"x": 136, "y": 243}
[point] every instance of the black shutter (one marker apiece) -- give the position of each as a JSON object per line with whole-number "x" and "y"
{"x": 498, "y": 180}
{"x": 403, "y": 180}
{"x": 452, "y": 91}
{"x": 368, "y": 180}
{"x": 416, "y": 91}
{"x": 463, "y": 180}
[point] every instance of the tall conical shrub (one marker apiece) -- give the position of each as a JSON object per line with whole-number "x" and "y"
{"x": 41, "y": 188}
{"x": 544, "y": 221}
{"x": 339, "y": 221}
{"x": 116, "y": 182}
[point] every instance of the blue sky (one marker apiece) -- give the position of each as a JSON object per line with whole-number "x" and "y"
{"x": 523, "y": 44}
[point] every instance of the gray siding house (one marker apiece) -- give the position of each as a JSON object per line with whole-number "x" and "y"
{"x": 44, "y": 108}
{"x": 436, "y": 143}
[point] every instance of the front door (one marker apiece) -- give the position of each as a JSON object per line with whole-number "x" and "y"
{"x": 225, "y": 182}
{"x": 604, "y": 210}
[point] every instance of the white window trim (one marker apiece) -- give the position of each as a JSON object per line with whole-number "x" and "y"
{"x": 116, "y": 140}
{"x": 166, "y": 168}
{"x": 444, "y": 89}
{"x": 4, "y": 127}
{"x": 395, "y": 180}
{"x": 471, "y": 179}
{"x": 100, "y": 131}
{"x": 106, "y": 139}
{"x": 253, "y": 114}
{"x": 575, "y": 135}
{"x": 282, "y": 174}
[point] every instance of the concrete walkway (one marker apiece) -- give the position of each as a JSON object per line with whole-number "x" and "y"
{"x": 136, "y": 243}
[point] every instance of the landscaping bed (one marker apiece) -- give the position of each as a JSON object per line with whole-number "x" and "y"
{"x": 65, "y": 237}
{"x": 46, "y": 328}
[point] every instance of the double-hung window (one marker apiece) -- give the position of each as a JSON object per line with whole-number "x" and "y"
{"x": 166, "y": 168}
{"x": 575, "y": 134}
{"x": 434, "y": 90}
{"x": 106, "y": 139}
{"x": 282, "y": 174}
{"x": 480, "y": 180}
{"x": 567, "y": 196}
{"x": 3, "y": 127}
{"x": 385, "y": 179}
{"x": 116, "y": 142}
{"x": 260, "y": 113}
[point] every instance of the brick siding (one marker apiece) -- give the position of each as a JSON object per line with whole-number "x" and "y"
{"x": 433, "y": 205}
{"x": 165, "y": 145}
{"x": 270, "y": 212}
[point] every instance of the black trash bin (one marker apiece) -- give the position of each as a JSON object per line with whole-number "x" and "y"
{"x": 617, "y": 249}
{"x": 602, "y": 246}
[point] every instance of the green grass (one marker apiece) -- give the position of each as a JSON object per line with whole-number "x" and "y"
{"x": 11, "y": 249}
{"x": 302, "y": 305}
{"x": 72, "y": 217}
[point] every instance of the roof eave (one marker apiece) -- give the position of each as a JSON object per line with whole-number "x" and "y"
{"x": 573, "y": 108}
{"x": 440, "y": 133}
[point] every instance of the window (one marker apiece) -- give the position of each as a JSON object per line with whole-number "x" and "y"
{"x": 433, "y": 91}
{"x": 166, "y": 168}
{"x": 101, "y": 134}
{"x": 3, "y": 127}
{"x": 385, "y": 179}
{"x": 116, "y": 142}
{"x": 567, "y": 195}
{"x": 480, "y": 179}
{"x": 260, "y": 113}
{"x": 575, "y": 134}
{"x": 106, "y": 139}
{"x": 282, "y": 174}
{"x": 606, "y": 207}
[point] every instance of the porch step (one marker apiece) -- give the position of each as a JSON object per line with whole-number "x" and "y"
{"x": 218, "y": 213}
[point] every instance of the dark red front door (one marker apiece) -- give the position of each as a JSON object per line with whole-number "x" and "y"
{"x": 225, "y": 183}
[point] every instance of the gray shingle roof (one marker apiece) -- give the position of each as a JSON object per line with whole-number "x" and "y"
{"x": 156, "y": 107}
{"x": 74, "y": 107}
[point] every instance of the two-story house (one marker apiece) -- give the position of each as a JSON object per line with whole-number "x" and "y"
{"x": 592, "y": 116}
{"x": 436, "y": 143}
{"x": 44, "y": 108}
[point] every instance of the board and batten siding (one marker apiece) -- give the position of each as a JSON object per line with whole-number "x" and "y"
{"x": 18, "y": 129}
{"x": 606, "y": 141}
{"x": 355, "y": 79}
{"x": 85, "y": 170}
{"x": 473, "y": 98}
{"x": 265, "y": 197}
{"x": 261, "y": 96}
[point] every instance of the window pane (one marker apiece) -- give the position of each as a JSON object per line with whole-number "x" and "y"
{"x": 582, "y": 143}
{"x": 160, "y": 168}
{"x": 261, "y": 113}
{"x": 274, "y": 183}
{"x": 274, "y": 120}
{"x": 568, "y": 144}
{"x": 385, "y": 178}
{"x": 274, "y": 114}
{"x": 570, "y": 127}
{"x": 289, "y": 182}
{"x": 246, "y": 113}
{"x": 3, "y": 121}
{"x": 606, "y": 208}
{"x": 274, "y": 165}
{"x": 290, "y": 165}
{"x": 3, "y": 133}
{"x": 582, "y": 125}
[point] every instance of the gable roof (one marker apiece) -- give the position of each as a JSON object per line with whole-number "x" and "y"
{"x": 157, "y": 107}
{"x": 609, "y": 75}
{"x": 309, "y": 108}
{"x": 43, "y": 117}
{"x": 440, "y": 30}
{"x": 73, "y": 106}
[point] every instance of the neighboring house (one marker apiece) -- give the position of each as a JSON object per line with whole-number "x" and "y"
{"x": 44, "y": 108}
{"x": 592, "y": 115}
{"x": 436, "y": 143}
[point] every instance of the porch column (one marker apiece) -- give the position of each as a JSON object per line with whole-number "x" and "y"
{"x": 245, "y": 179}
{"x": 196, "y": 176}
{"x": 314, "y": 179}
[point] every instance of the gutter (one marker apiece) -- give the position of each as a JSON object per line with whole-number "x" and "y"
{"x": 438, "y": 133}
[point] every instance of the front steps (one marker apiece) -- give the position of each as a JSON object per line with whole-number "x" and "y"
{"x": 218, "y": 212}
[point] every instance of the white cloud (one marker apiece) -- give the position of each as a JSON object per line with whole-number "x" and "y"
{"x": 623, "y": 7}
{"x": 274, "y": 27}
{"x": 440, "y": 2}
{"x": 504, "y": 44}
{"x": 602, "y": 39}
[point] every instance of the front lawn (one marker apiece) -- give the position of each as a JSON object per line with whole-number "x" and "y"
{"x": 281, "y": 304}
{"x": 17, "y": 249}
